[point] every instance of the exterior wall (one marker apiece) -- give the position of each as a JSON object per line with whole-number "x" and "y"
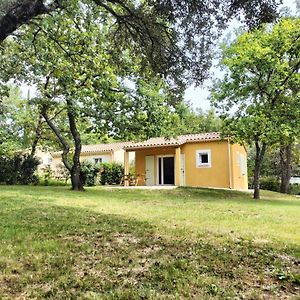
{"x": 56, "y": 161}
{"x": 140, "y": 160}
{"x": 218, "y": 175}
{"x": 228, "y": 164}
{"x": 45, "y": 159}
{"x": 118, "y": 156}
{"x": 239, "y": 167}
{"x": 106, "y": 156}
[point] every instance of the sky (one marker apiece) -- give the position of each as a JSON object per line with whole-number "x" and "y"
{"x": 199, "y": 97}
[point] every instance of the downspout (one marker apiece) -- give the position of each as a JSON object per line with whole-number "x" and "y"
{"x": 229, "y": 165}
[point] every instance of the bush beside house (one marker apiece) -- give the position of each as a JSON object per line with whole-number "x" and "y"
{"x": 111, "y": 173}
{"x": 88, "y": 173}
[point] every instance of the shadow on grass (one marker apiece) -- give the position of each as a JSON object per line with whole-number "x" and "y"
{"x": 62, "y": 253}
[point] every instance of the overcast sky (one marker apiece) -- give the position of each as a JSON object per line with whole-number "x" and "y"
{"x": 198, "y": 97}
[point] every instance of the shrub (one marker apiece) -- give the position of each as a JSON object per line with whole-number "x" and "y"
{"x": 19, "y": 169}
{"x": 270, "y": 183}
{"x": 294, "y": 189}
{"x": 111, "y": 173}
{"x": 46, "y": 176}
{"x": 52, "y": 182}
{"x": 7, "y": 173}
{"x": 88, "y": 173}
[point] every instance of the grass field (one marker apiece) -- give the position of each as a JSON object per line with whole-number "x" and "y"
{"x": 142, "y": 244}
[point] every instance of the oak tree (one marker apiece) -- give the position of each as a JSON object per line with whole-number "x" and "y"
{"x": 259, "y": 95}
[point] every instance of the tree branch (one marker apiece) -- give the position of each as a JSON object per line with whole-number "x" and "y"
{"x": 22, "y": 12}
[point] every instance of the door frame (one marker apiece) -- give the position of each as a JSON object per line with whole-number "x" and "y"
{"x": 182, "y": 170}
{"x": 162, "y": 170}
{"x": 154, "y": 165}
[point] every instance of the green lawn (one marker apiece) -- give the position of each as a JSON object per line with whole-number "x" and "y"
{"x": 142, "y": 244}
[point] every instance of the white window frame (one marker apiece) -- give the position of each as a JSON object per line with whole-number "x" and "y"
{"x": 199, "y": 164}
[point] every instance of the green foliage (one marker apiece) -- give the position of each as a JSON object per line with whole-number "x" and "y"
{"x": 19, "y": 169}
{"x": 294, "y": 189}
{"x": 258, "y": 96}
{"x": 52, "y": 182}
{"x": 175, "y": 38}
{"x": 11, "y": 134}
{"x": 77, "y": 71}
{"x": 195, "y": 121}
{"x": 270, "y": 165}
{"x": 111, "y": 173}
{"x": 47, "y": 175}
{"x": 88, "y": 173}
{"x": 270, "y": 183}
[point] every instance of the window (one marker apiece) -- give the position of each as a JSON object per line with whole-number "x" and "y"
{"x": 203, "y": 158}
{"x": 98, "y": 160}
{"x": 243, "y": 163}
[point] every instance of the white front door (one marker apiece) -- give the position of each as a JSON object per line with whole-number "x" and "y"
{"x": 150, "y": 170}
{"x": 182, "y": 170}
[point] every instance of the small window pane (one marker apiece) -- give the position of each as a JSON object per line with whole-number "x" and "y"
{"x": 204, "y": 158}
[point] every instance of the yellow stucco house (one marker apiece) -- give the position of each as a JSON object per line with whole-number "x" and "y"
{"x": 197, "y": 160}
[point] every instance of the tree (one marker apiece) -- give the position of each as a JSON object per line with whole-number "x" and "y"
{"x": 194, "y": 121}
{"x": 175, "y": 36}
{"x": 259, "y": 95}
{"x": 172, "y": 39}
{"x": 79, "y": 76}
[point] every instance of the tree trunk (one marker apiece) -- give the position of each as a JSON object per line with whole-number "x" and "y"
{"x": 285, "y": 166}
{"x": 62, "y": 140}
{"x": 259, "y": 155}
{"x": 75, "y": 172}
{"x": 38, "y": 134}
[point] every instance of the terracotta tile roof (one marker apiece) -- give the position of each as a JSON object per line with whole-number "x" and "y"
{"x": 99, "y": 148}
{"x": 151, "y": 143}
{"x": 180, "y": 140}
{"x": 103, "y": 147}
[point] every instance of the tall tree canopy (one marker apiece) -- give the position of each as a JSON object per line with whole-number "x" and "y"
{"x": 80, "y": 76}
{"x": 259, "y": 95}
{"x": 175, "y": 36}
